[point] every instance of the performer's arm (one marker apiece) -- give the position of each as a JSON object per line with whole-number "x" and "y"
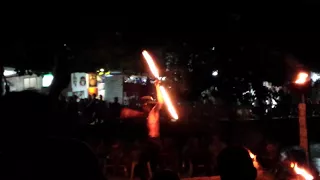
{"x": 130, "y": 113}
{"x": 159, "y": 95}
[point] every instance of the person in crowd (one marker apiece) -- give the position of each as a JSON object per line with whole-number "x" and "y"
{"x": 215, "y": 147}
{"x": 90, "y": 110}
{"x": 115, "y": 108}
{"x": 101, "y": 110}
{"x": 33, "y": 145}
{"x": 234, "y": 162}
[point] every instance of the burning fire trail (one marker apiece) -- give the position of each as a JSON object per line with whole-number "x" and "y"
{"x": 167, "y": 99}
{"x": 254, "y": 159}
{"x": 154, "y": 70}
{"x": 300, "y": 171}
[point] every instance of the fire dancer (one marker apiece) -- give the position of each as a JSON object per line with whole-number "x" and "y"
{"x": 153, "y": 146}
{"x": 151, "y": 110}
{"x": 153, "y": 115}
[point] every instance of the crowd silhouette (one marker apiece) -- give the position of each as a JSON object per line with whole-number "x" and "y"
{"x": 46, "y": 139}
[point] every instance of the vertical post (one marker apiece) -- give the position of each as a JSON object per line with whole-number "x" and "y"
{"x": 303, "y": 129}
{"x": 122, "y": 83}
{"x": 1, "y": 80}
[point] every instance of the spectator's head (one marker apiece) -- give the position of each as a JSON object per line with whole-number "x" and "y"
{"x": 25, "y": 114}
{"x": 116, "y": 99}
{"x": 235, "y": 163}
{"x": 165, "y": 175}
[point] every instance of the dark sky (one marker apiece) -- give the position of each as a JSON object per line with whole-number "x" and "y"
{"x": 292, "y": 28}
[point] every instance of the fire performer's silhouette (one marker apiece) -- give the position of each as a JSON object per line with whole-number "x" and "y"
{"x": 150, "y": 154}
{"x": 149, "y": 107}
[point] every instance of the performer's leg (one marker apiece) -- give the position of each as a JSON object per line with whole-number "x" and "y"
{"x": 142, "y": 170}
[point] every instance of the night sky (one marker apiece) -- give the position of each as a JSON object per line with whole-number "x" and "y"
{"x": 285, "y": 27}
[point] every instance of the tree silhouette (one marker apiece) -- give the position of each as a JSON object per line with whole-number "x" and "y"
{"x": 241, "y": 69}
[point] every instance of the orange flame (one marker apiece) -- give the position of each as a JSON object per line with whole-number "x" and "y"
{"x": 302, "y": 78}
{"x": 168, "y": 102}
{"x": 300, "y": 171}
{"x": 153, "y": 68}
{"x": 254, "y": 159}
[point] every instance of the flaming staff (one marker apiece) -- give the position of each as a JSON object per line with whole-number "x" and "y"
{"x": 167, "y": 100}
{"x": 302, "y": 172}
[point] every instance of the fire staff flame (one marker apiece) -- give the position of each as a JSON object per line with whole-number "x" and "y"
{"x": 166, "y": 98}
{"x": 298, "y": 170}
{"x": 302, "y": 172}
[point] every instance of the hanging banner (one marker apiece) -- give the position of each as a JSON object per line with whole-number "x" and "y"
{"x": 79, "y": 81}
{"x": 79, "y": 84}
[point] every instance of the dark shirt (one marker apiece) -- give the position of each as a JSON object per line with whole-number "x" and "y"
{"x": 115, "y": 109}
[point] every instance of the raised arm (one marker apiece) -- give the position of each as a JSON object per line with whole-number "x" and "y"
{"x": 159, "y": 95}
{"x": 154, "y": 115}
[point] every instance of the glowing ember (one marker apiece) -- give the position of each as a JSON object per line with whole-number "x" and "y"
{"x": 168, "y": 102}
{"x": 300, "y": 171}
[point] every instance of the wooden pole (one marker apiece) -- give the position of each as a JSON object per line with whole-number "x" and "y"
{"x": 1, "y": 80}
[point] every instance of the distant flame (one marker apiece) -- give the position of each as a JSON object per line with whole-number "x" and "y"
{"x": 254, "y": 159}
{"x": 302, "y": 78}
{"x": 300, "y": 171}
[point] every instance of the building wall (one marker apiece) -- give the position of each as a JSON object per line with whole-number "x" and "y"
{"x": 17, "y": 83}
{"x": 114, "y": 88}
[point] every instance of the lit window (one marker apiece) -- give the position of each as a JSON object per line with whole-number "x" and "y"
{"x": 30, "y": 83}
